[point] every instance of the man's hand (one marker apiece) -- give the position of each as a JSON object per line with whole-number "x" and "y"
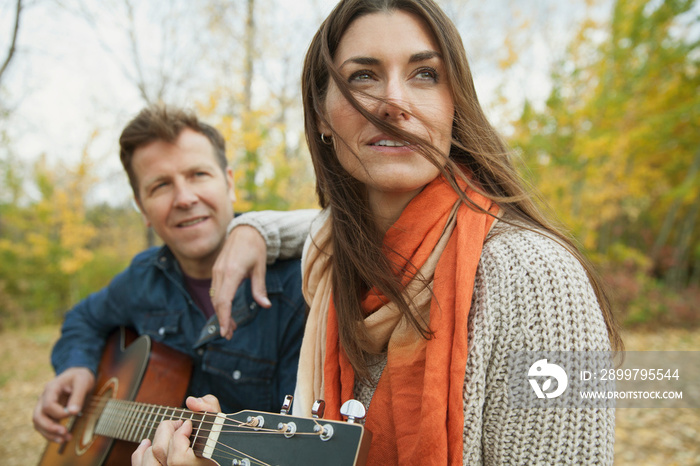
{"x": 208, "y": 403}
{"x": 171, "y": 443}
{"x": 63, "y": 397}
{"x": 243, "y": 256}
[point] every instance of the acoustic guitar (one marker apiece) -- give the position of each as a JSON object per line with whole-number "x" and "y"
{"x": 139, "y": 381}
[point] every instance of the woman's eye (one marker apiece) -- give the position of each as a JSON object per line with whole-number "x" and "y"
{"x": 427, "y": 74}
{"x": 360, "y": 76}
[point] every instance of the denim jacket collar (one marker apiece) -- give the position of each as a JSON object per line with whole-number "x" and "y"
{"x": 243, "y": 309}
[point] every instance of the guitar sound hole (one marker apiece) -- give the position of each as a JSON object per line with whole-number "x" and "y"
{"x": 91, "y": 414}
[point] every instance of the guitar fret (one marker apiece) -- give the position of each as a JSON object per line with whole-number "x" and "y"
{"x": 196, "y": 428}
{"x": 134, "y": 434}
{"x": 133, "y": 416}
{"x": 138, "y": 414}
{"x": 138, "y": 433}
{"x": 201, "y": 437}
{"x": 152, "y": 427}
{"x": 146, "y": 429}
{"x": 148, "y": 412}
{"x": 124, "y": 425}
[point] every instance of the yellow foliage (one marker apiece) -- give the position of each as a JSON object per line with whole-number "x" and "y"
{"x": 511, "y": 54}
{"x": 268, "y": 174}
{"x": 72, "y": 264}
{"x": 38, "y": 245}
{"x": 614, "y": 148}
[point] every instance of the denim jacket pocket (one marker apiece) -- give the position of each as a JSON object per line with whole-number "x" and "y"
{"x": 165, "y": 326}
{"x": 249, "y": 379}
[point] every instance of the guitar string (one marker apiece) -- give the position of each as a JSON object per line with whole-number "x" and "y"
{"x": 234, "y": 426}
{"x": 136, "y": 408}
{"x": 229, "y": 426}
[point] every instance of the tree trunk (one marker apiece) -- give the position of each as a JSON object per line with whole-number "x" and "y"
{"x": 249, "y": 57}
{"x": 13, "y": 43}
{"x": 672, "y": 212}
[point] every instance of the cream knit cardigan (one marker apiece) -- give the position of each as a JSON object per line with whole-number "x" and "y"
{"x": 530, "y": 294}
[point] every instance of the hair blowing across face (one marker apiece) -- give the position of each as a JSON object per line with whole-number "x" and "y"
{"x": 358, "y": 260}
{"x": 160, "y": 122}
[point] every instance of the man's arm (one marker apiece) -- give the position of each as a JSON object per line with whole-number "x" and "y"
{"x": 255, "y": 239}
{"x": 75, "y": 358}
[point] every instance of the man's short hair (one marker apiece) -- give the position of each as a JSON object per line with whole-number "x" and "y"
{"x": 161, "y": 122}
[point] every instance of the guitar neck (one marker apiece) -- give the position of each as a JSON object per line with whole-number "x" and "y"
{"x": 246, "y": 437}
{"x": 133, "y": 422}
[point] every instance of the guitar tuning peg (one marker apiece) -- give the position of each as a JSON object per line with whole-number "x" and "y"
{"x": 318, "y": 408}
{"x": 287, "y": 404}
{"x": 353, "y": 410}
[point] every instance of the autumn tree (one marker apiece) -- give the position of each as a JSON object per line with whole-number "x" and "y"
{"x": 616, "y": 146}
{"x": 54, "y": 247}
{"x": 256, "y": 103}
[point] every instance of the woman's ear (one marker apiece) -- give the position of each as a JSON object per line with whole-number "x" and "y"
{"x": 322, "y": 126}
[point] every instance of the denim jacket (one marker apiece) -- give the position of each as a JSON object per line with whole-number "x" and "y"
{"x": 253, "y": 370}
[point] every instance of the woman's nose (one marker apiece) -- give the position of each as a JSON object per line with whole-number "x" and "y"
{"x": 394, "y": 101}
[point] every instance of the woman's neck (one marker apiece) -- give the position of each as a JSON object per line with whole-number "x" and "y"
{"x": 387, "y": 207}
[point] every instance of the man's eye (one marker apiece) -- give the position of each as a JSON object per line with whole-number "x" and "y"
{"x": 158, "y": 186}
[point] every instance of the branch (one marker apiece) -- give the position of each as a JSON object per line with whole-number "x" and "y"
{"x": 13, "y": 44}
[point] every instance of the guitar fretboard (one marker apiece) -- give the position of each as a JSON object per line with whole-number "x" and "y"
{"x": 133, "y": 422}
{"x": 246, "y": 437}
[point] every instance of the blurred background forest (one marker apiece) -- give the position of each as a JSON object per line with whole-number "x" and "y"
{"x": 599, "y": 99}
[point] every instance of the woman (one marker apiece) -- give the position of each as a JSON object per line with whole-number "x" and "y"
{"x": 430, "y": 263}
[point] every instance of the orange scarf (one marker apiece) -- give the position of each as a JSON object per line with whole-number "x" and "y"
{"x": 416, "y": 414}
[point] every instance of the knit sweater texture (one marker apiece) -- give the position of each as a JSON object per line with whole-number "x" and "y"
{"x": 530, "y": 294}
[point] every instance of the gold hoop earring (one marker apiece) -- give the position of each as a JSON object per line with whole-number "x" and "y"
{"x": 328, "y": 141}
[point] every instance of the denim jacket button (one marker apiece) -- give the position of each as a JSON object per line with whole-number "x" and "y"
{"x": 211, "y": 329}
{"x": 253, "y": 305}
{"x": 161, "y": 331}
{"x": 236, "y": 375}
{"x": 200, "y": 351}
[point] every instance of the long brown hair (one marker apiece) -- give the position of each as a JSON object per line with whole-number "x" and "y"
{"x": 358, "y": 259}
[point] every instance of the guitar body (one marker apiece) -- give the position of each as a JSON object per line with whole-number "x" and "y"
{"x": 132, "y": 368}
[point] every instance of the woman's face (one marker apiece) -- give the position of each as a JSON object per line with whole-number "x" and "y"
{"x": 392, "y": 56}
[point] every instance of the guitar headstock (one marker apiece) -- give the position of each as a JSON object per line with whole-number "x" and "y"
{"x": 254, "y": 438}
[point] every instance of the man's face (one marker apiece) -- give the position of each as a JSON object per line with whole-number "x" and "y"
{"x": 186, "y": 197}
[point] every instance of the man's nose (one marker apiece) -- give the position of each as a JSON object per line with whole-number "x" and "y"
{"x": 185, "y": 196}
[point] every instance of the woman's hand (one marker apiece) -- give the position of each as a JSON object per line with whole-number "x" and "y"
{"x": 244, "y": 255}
{"x": 171, "y": 443}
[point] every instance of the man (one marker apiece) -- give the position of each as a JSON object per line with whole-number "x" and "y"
{"x": 184, "y": 188}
